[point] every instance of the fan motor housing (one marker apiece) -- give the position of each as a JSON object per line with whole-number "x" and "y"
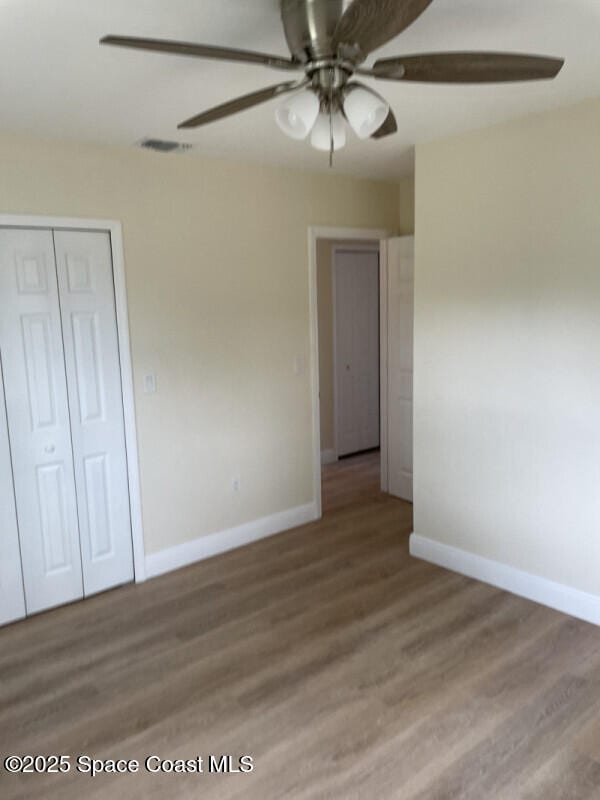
{"x": 309, "y": 26}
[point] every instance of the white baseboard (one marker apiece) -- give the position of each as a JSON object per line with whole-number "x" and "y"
{"x": 541, "y": 590}
{"x": 328, "y": 457}
{"x": 206, "y": 546}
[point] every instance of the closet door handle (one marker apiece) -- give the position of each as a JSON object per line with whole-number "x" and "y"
{"x": 50, "y": 448}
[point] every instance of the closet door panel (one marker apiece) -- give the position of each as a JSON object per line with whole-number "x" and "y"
{"x": 84, "y": 265}
{"x": 38, "y": 419}
{"x": 12, "y": 596}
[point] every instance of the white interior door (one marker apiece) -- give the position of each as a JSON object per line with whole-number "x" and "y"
{"x": 356, "y": 292}
{"x": 85, "y": 277}
{"x": 400, "y": 315}
{"x": 38, "y": 420}
{"x": 12, "y": 596}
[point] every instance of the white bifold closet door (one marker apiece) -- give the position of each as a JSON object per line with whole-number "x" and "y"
{"x": 35, "y": 388}
{"x": 12, "y": 598}
{"x": 58, "y": 342}
{"x": 89, "y": 323}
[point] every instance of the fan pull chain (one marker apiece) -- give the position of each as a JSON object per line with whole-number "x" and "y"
{"x": 331, "y": 143}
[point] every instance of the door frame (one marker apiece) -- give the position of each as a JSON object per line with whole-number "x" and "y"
{"x": 114, "y": 229}
{"x": 316, "y": 232}
{"x": 385, "y": 420}
{"x": 348, "y": 248}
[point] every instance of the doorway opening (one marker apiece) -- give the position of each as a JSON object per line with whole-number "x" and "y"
{"x": 347, "y": 284}
{"x": 361, "y": 310}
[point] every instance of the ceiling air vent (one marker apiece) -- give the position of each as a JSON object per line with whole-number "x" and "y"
{"x": 162, "y": 146}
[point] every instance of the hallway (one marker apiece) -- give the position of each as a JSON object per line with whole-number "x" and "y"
{"x": 351, "y": 480}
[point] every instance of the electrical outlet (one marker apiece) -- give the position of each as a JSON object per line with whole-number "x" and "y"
{"x": 149, "y": 384}
{"x": 236, "y": 484}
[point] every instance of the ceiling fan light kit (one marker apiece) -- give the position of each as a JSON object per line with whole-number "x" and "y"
{"x": 329, "y": 41}
{"x": 297, "y": 115}
{"x": 329, "y": 132}
{"x": 365, "y": 110}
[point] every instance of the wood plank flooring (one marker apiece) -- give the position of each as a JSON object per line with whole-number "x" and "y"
{"x": 345, "y": 668}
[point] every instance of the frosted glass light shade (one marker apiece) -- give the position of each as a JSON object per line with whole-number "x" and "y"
{"x": 321, "y": 135}
{"x": 298, "y": 114}
{"x": 365, "y": 111}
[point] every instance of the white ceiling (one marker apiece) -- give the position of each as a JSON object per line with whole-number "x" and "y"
{"x": 56, "y": 81}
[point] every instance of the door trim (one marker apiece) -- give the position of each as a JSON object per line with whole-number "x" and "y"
{"x": 349, "y": 248}
{"x": 114, "y": 229}
{"x": 383, "y": 363}
{"x": 316, "y": 232}
{"x": 406, "y": 244}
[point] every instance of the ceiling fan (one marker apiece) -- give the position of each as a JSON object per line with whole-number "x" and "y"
{"x": 329, "y": 40}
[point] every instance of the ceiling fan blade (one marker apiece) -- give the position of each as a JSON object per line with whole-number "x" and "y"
{"x": 242, "y": 103}
{"x": 468, "y": 68}
{"x": 369, "y": 24}
{"x": 389, "y": 127}
{"x": 201, "y": 51}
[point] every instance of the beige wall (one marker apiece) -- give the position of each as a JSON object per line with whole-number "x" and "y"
{"x": 507, "y": 335}
{"x": 406, "y": 208}
{"x": 216, "y": 264}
